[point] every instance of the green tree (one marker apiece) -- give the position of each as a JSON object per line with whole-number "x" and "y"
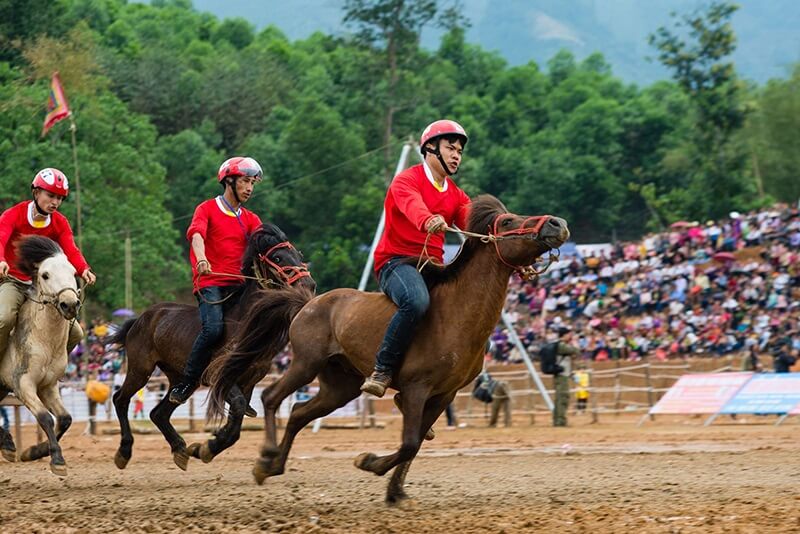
{"x": 696, "y": 50}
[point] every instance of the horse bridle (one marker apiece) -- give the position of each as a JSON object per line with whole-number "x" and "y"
{"x": 288, "y": 274}
{"x": 51, "y": 299}
{"x": 526, "y": 272}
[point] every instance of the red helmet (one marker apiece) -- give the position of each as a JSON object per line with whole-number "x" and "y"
{"x": 240, "y": 166}
{"x": 51, "y": 180}
{"x": 440, "y": 128}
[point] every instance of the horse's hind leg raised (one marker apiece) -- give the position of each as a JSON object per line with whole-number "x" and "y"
{"x": 298, "y": 375}
{"x": 336, "y": 388}
{"x": 160, "y": 416}
{"x": 228, "y": 434}
{"x": 7, "y": 448}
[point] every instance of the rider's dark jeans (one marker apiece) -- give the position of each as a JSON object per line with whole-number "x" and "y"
{"x": 211, "y": 331}
{"x": 403, "y": 284}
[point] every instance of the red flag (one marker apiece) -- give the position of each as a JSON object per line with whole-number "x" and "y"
{"x": 57, "y": 106}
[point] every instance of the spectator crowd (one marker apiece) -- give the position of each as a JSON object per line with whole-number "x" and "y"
{"x": 713, "y": 289}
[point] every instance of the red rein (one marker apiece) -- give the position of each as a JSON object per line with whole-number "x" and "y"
{"x": 289, "y": 274}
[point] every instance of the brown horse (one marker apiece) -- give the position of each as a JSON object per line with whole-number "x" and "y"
{"x": 336, "y": 335}
{"x": 163, "y": 335}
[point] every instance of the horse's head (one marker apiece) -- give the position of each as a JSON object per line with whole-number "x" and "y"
{"x": 53, "y": 275}
{"x": 270, "y": 255}
{"x": 519, "y": 240}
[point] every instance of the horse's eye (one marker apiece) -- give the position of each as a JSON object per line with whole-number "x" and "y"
{"x": 45, "y": 276}
{"x": 277, "y": 259}
{"x": 506, "y": 222}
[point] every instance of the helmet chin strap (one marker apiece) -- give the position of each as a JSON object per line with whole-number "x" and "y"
{"x": 438, "y": 155}
{"x": 39, "y": 209}
{"x": 232, "y": 185}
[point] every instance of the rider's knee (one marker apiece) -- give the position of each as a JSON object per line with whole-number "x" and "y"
{"x": 418, "y": 305}
{"x": 8, "y": 319}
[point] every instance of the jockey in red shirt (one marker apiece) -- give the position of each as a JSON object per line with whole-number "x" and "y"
{"x": 420, "y": 204}
{"x": 39, "y": 216}
{"x": 218, "y": 233}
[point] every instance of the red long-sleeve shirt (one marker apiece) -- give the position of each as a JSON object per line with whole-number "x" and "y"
{"x": 411, "y": 201}
{"x": 17, "y": 221}
{"x": 225, "y": 241}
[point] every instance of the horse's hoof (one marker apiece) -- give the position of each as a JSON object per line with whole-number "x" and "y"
{"x": 181, "y": 459}
{"x": 121, "y": 461}
{"x": 205, "y": 453}
{"x": 396, "y": 499}
{"x": 9, "y": 454}
{"x": 193, "y": 450}
{"x": 59, "y": 469}
{"x": 430, "y": 434}
{"x": 28, "y": 455}
{"x": 270, "y": 451}
{"x": 364, "y": 460}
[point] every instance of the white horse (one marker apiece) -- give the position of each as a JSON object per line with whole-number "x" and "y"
{"x": 36, "y": 357}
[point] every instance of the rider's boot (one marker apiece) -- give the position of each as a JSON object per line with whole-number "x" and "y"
{"x": 182, "y": 391}
{"x": 377, "y": 383}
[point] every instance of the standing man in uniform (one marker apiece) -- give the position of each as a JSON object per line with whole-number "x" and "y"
{"x": 565, "y": 351}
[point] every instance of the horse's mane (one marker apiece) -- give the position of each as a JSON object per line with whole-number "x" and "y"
{"x": 266, "y": 237}
{"x": 33, "y": 250}
{"x": 482, "y": 212}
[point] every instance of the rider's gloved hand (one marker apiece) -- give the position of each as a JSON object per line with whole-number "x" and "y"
{"x": 3, "y": 269}
{"x": 436, "y": 224}
{"x": 203, "y": 267}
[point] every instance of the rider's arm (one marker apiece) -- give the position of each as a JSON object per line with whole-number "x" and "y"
{"x": 67, "y": 242}
{"x": 7, "y": 223}
{"x": 463, "y": 211}
{"x": 196, "y": 234}
{"x": 199, "y": 247}
{"x": 409, "y": 201}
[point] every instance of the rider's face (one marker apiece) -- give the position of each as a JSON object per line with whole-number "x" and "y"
{"x": 47, "y": 201}
{"x": 244, "y": 187}
{"x": 451, "y": 154}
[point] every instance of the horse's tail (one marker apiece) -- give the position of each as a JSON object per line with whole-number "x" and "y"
{"x": 120, "y": 336}
{"x": 259, "y": 336}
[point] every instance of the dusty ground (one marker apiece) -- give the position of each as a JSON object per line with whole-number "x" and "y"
{"x": 667, "y": 476}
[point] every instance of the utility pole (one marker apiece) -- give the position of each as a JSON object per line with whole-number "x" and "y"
{"x": 128, "y": 273}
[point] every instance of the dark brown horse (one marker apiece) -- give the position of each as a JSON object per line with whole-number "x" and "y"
{"x": 163, "y": 335}
{"x": 335, "y": 337}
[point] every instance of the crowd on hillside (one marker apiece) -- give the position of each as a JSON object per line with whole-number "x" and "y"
{"x": 716, "y": 288}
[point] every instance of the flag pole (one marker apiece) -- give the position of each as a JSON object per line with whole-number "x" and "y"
{"x": 72, "y": 129}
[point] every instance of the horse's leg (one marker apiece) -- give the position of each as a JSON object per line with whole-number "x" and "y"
{"x": 51, "y": 398}
{"x": 413, "y": 401}
{"x": 336, "y": 388}
{"x": 7, "y": 448}
{"x": 298, "y": 375}
{"x": 398, "y": 401}
{"x": 134, "y": 381}
{"x": 160, "y": 416}
{"x": 228, "y": 434}
{"x": 433, "y": 410}
{"x": 27, "y": 392}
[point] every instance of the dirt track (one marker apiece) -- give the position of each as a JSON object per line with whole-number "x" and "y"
{"x": 664, "y": 477}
